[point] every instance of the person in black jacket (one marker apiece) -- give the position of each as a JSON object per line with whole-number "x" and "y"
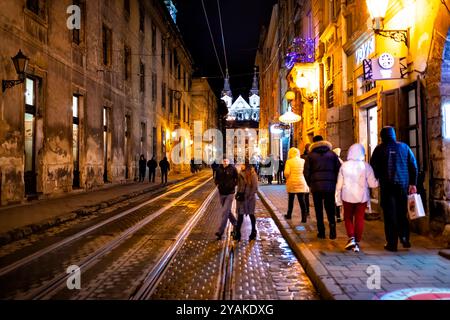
{"x": 280, "y": 175}
{"x": 142, "y": 168}
{"x": 152, "y": 165}
{"x": 321, "y": 172}
{"x": 395, "y": 167}
{"x": 165, "y": 168}
{"x": 305, "y": 199}
{"x": 226, "y": 180}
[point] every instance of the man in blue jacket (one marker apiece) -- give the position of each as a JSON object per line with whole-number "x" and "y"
{"x": 395, "y": 167}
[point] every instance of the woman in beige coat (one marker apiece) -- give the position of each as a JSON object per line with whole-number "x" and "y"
{"x": 295, "y": 182}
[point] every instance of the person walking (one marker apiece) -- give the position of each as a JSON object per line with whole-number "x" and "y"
{"x": 321, "y": 171}
{"x": 295, "y": 182}
{"x": 395, "y": 167}
{"x": 246, "y": 199}
{"x": 142, "y": 168}
{"x": 338, "y": 207}
{"x": 226, "y": 181}
{"x": 152, "y": 165}
{"x": 214, "y": 167}
{"x": 280, "y": 171}
{"x": 352, "y": 191}
{"x": 306, "y": 197}
{"x": 164, "y": 165}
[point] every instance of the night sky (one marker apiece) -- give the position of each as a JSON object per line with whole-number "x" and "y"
{"x": 242, "y": 22}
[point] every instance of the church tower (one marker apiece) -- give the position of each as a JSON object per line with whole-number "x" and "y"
{"x": 226, "y": 92}
{"x": 254, "y": 92}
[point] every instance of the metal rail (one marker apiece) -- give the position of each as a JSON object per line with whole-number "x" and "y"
{"x": 53, "y": 247}
{"x": 153, "y": 277}
{"x": 47, "y": 290}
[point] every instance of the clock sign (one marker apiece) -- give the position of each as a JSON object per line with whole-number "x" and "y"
{"x": 386, "y": 60}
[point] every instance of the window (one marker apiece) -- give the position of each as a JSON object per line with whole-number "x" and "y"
{"x": 184, "y": 113}
{"x": 349, "y": 26}
{"x": 446, "y": 112}
{"x": 143, "y": 135}
{"x": 76, "y": 33}
{"x": 170, "y": 100}
{"x": 413, "y": 124}
{"x": 141, "y": 17}
{"x": 163, "y": 95}
{"x": 154, "y": 86}
{"x": 188, "y": 115}
{"x": 163, "y": 142}
{"x": 153, "y": 38}
{"x": 163, "y": 51}
{"x": 126, "y": 8}
{"x": 330, "y": 97}
{"x": 142, "y": 76}
{"x": 106, "y": 45}
{"x": 184, "y": 79}
{"x": 179, "y": 109}
{"x": 154, "y": 142}
{"x": 37, "y": 7}
{"x": 76, "y": 140}
{"x": 127, "y": 62}
{"x": 170, "y": 61}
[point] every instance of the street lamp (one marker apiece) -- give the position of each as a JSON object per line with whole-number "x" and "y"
{"x": 290, "y": 117}
{"x": 377, "y": 10}
{"x": 20, "y": 64}
{"x": 302, "y": 83}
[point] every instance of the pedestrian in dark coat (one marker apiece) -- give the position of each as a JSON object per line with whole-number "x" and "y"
{"x": 142, "y": 168}
{"x": 305, "y": 198}
{"x": 214, "y": 167}
{"x": 226, "y": 181}
{"x": 248, "y": 186}
{"x": 321, "y": 172}
{"x": 164, "y": 165}
{"x": 152, "y": 165}
{"x": 395, "y": 167}
{"x": 280, "y": 171}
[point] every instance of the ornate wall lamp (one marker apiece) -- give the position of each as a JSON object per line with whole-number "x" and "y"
{"x": 20, "y": 64}
{"x": 377, "y": 10}
{"x": 302, "y": 83}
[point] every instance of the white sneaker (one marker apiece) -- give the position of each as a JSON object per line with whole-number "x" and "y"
{"x": 350, "y": 243}
{"x": 356, "y": 248}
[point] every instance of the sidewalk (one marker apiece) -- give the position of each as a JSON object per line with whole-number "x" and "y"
{"x": 340, "y": 274}
{"x": 17, "y": 222}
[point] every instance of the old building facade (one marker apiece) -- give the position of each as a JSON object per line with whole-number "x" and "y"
{"x": 94, "y": 99}
{"x": 364, "y": 77}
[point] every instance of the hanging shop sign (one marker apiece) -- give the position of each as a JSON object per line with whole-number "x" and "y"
{"x": 365, "y": 50}
{"x": 384, "y": 67}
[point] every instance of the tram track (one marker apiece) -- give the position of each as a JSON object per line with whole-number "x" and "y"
{"x": 23, "y": 261}
{"x": 48, "y": 286}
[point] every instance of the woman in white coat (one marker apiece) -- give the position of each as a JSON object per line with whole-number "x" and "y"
{"x": 352, "y": 191}
{"x": 295, "y": 182}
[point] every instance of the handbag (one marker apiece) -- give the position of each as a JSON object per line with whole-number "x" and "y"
{"x": 415, "y": 206}
{"x": 240, "y": 196}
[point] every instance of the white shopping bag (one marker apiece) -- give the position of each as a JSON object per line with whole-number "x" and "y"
{"x": 415, "y": 206}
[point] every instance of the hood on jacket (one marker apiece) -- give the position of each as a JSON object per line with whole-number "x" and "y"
{"x": 356, "y": 152}
{"x": 337, "y": 151}
{"x": 293, "y": 153}
{"x": 388, "y": 134}
{"x": 321, "y": 146}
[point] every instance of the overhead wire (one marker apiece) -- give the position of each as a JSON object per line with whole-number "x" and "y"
{"x": 212, "y": 38}
{"x": 223, "y": 37}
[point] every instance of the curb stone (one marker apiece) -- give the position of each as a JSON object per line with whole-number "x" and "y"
{"x": 326, "y": 285}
